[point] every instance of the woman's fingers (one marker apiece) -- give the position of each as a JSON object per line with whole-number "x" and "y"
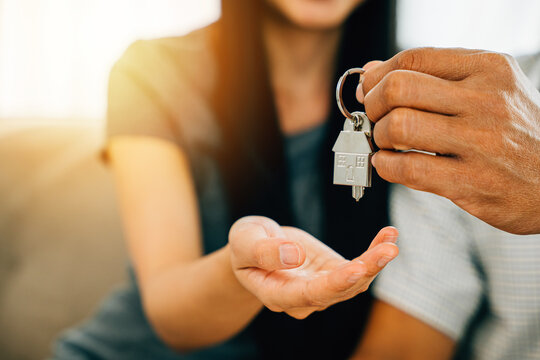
{"x": 260, "y": 242}
{"x": 364, "y": 268}
{"x": 259, "y": 246}
{"x": 386, "y": 234}
{"x": 328, "y": 289}
{"x": 376, "y": 258}
{"x": 354, "y": 277}
{"x": 344, "y": 277}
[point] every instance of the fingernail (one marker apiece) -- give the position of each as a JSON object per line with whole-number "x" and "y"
{"x": 383, "y": 261}
{"x": 373, "y": 161}
{"x": 289, "y": 254}
{"x": 390, "y": 238}
{"x": 360, "y": 91}
{"x": 354, "y": 277}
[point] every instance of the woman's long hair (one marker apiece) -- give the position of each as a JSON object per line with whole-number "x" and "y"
{"x": 253, "y": 162}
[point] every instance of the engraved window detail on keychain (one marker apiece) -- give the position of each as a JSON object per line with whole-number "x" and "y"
{"x": 350, "y": 174}
{"x": 342, "y": 161}
{"x": 360, "y": 161}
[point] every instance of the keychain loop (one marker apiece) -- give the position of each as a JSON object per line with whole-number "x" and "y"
{"x": 339, "y": 90}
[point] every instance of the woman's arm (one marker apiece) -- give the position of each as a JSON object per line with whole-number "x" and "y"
{"x": 191, "y": 300}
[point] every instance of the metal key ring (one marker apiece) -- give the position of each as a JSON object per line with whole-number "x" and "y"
{"x": 339, "y": 90}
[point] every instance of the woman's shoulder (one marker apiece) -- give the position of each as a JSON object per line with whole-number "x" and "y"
{"x": 160, "y": 87}
{"x": 167, "y": 63}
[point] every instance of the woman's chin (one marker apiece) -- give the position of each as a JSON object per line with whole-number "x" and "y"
{"x": 317, "y": 23}
{"x": 315, "y": 14}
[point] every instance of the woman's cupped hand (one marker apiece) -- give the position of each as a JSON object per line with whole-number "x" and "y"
{"x": 290, "y": 271}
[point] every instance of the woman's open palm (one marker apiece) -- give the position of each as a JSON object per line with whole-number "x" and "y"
{"x": 291, "y": 271}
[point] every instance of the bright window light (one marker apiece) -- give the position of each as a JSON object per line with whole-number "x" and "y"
{"x": 510, "y": 26}
{"x": 55, "y": 55}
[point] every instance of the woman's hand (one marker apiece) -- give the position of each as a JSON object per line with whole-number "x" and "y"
{"x": 289, "y": 270}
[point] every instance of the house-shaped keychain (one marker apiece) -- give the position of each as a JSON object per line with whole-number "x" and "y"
{"x": 352, "y": 160}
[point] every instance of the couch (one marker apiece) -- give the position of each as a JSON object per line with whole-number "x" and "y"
{"x": 60, "y": 235}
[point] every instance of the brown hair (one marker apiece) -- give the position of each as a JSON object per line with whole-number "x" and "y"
{"x": 256, "y": 179}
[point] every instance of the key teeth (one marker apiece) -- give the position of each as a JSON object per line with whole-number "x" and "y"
{"x": 357, "y": 192}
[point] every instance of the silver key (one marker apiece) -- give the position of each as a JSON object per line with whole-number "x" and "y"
{"x": 353, "y": 148}
{"x": 352, "y": 154}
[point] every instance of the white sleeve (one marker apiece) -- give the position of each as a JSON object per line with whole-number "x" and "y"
{"x": 434, "y": 278}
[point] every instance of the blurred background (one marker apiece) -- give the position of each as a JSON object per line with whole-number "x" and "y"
{"x": 60, "y": 240}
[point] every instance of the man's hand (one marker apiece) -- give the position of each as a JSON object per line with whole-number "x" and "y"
{"x": 289, "y": 270}
{"x": 478, "y": 112}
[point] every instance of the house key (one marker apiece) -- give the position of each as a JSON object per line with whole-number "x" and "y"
{"x": 353, "y": 148}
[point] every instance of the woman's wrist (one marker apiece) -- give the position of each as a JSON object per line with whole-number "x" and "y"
{"x": 230, "y": 277}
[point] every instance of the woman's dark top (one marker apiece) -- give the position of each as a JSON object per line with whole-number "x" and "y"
{"x": 161, "y": 88}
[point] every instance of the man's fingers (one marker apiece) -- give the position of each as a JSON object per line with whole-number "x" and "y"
{"x": 449, "y": 64}
{"x": 406, "y": 128}
{"x": 371, "y": 64}
{"x": 405, "y": 88}
{"x": 435, "y": 174}
{"x": 359, "y": 88}
{"x": 260, "y": 242}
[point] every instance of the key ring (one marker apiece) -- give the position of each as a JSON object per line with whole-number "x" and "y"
{"x": 339, "y": 99}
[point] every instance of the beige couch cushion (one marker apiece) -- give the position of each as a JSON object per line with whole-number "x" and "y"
{"x": 60, "y": 238}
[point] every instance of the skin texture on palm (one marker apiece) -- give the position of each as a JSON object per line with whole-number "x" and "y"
{"x": 289, "y": 270}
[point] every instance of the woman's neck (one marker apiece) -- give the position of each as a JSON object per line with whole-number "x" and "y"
{"x": 301, "y": 65}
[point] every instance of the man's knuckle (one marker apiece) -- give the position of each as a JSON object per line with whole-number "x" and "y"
{"x": 488, "y": 57}
{"x": 471, "y": 98}
{"x": 405, "y": 59}
{"x": 504, "y": 61}
{"x": 399, "y": 125}
{"x": 378, "y": 134}
{"x": 392, "y": 87}
{"x": 413, "y": 170}
{"x": 502, "y": 64}
{"x": 410, "y": 59}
